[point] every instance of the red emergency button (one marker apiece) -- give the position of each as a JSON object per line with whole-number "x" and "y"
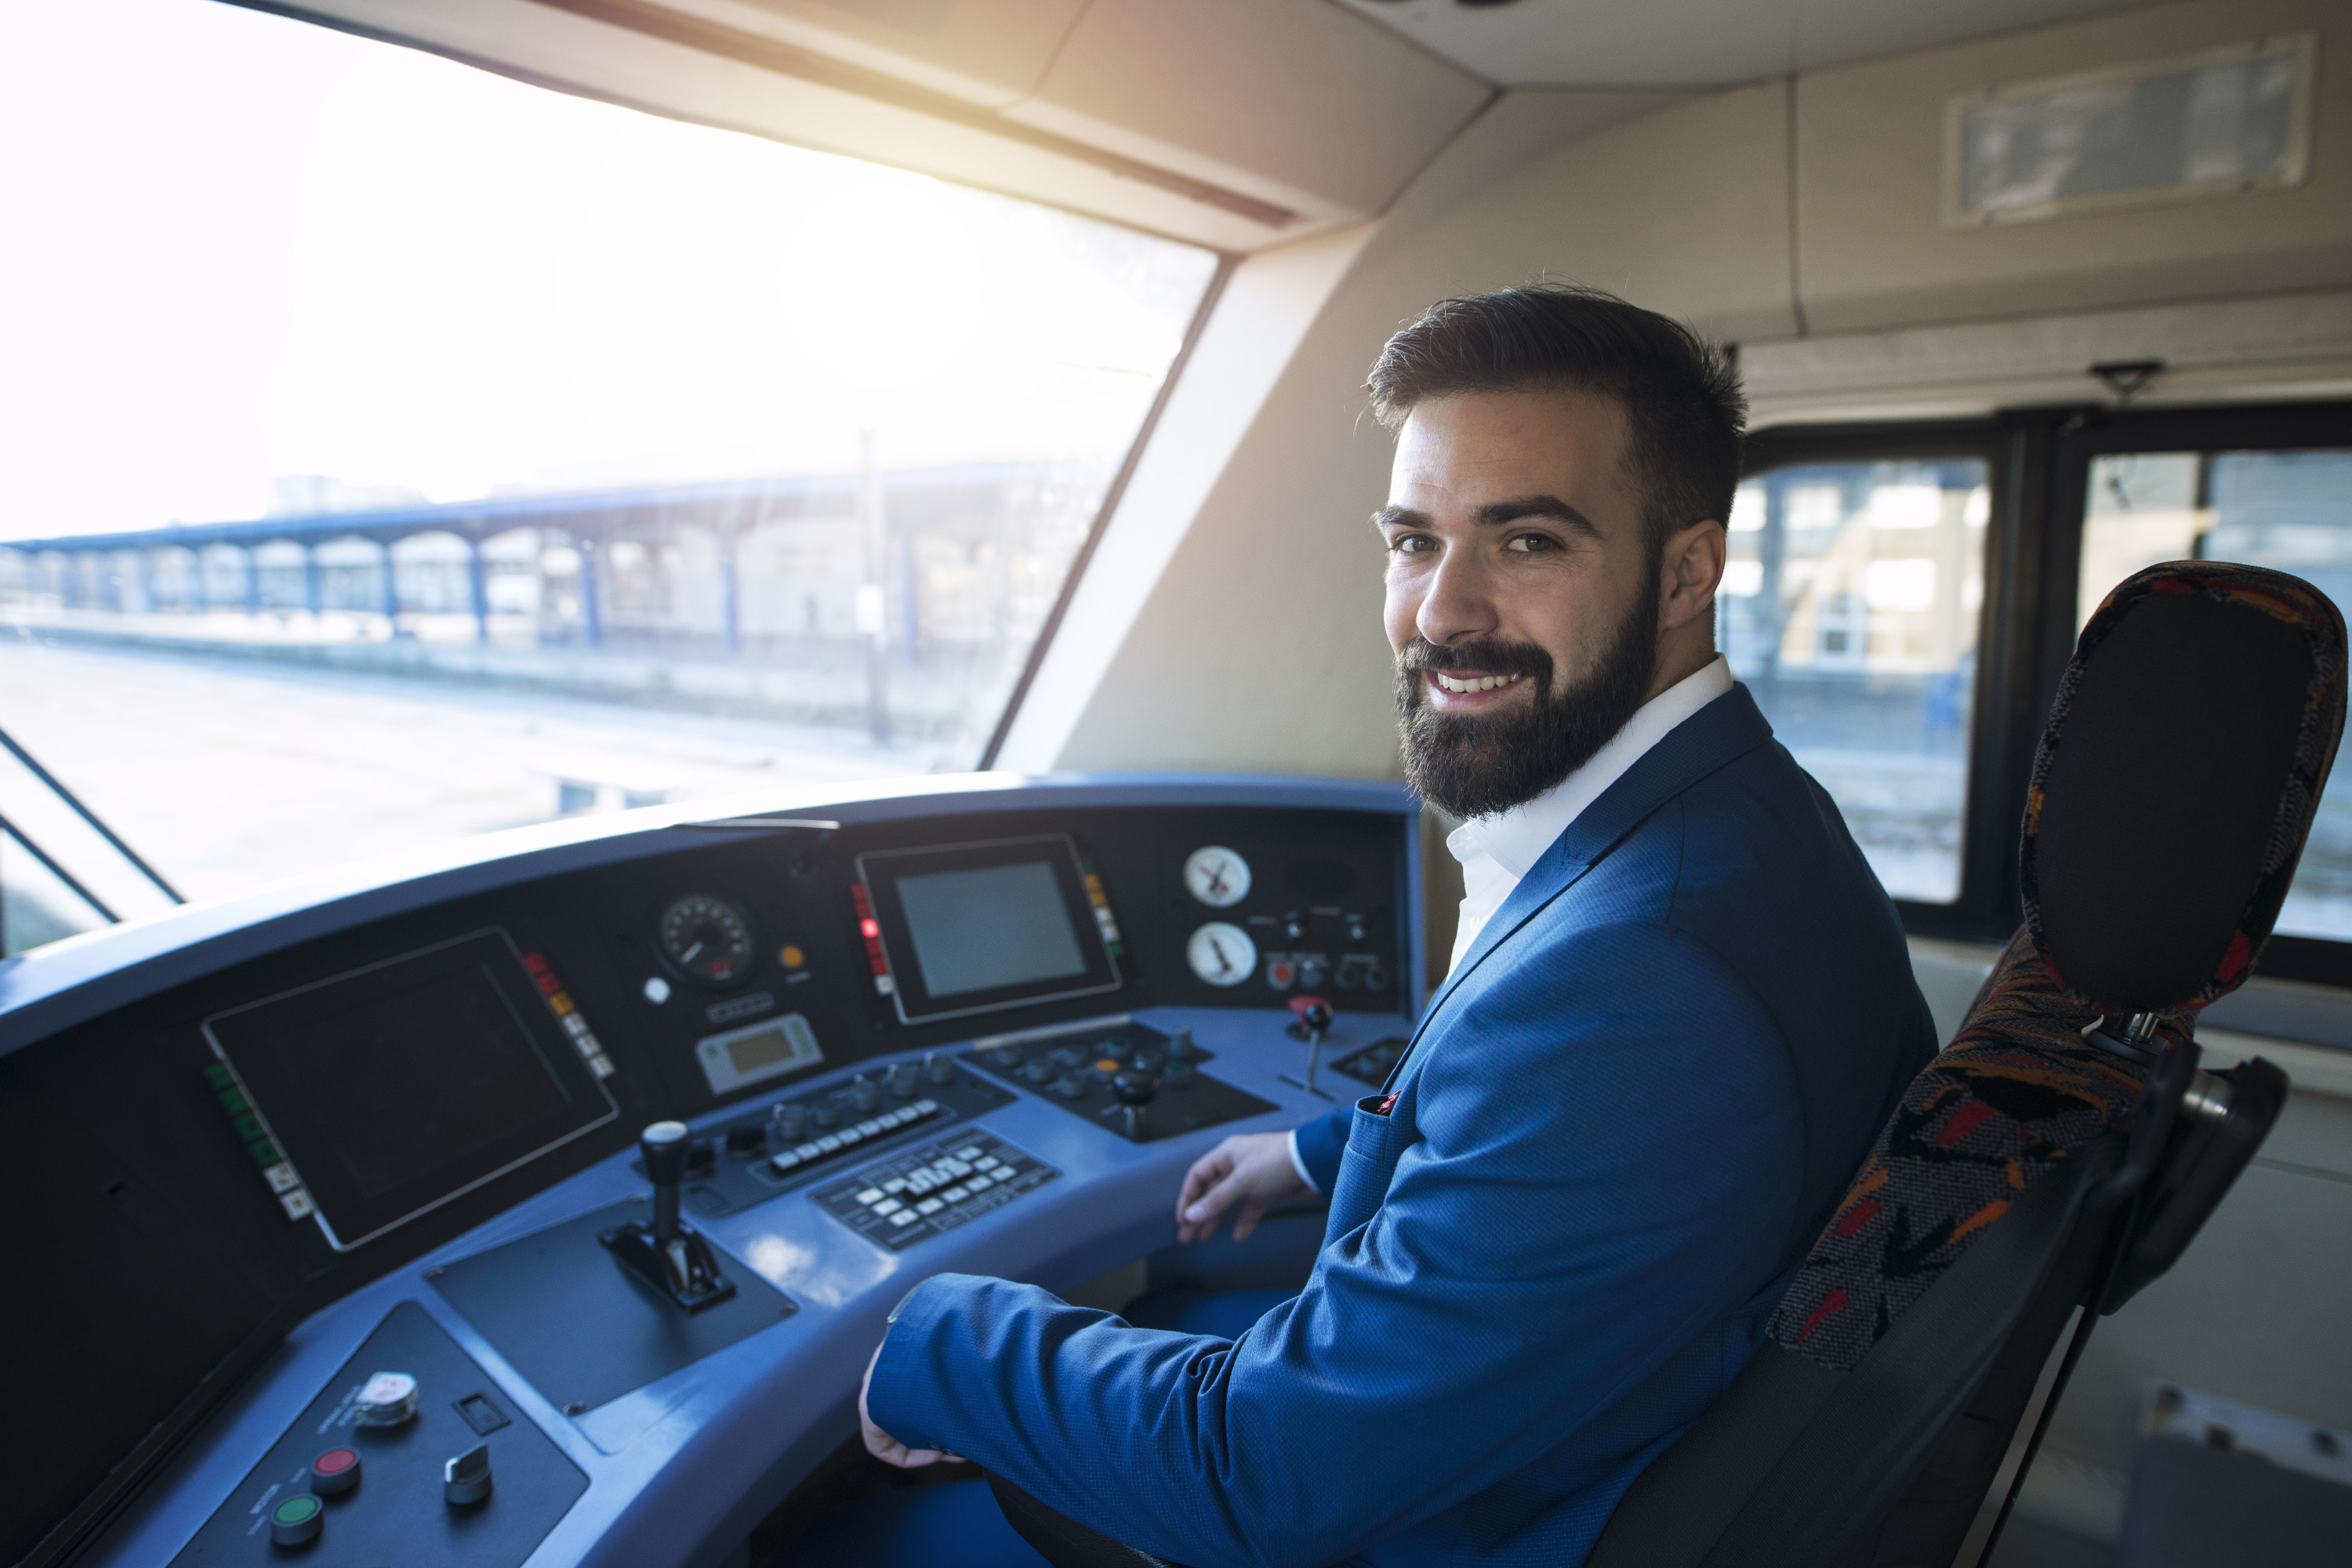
{"x": 335, "y": 1472}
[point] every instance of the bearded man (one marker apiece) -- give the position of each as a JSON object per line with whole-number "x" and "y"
{"x": 1679, "y": 1011}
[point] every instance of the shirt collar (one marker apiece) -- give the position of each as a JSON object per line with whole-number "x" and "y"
{"x": 1516, "y": 840}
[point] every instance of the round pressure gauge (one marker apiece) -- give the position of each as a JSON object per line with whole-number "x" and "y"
{"x": 705, "y": 939}
{"x": 1216, "y": 876}
{"x": 1221, "y": 955}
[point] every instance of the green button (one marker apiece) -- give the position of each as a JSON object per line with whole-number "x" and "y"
{"x": 295, "y": 1510}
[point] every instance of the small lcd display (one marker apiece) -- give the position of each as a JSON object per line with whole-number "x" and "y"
{"x": 995, "y": 926}
{"x": 420, "y": 1078}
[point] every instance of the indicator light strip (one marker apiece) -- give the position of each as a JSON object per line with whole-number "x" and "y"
{"x": 567, "y": 1013}
{"x": 870, "y": 930}
{"x": 284, "y": 1184}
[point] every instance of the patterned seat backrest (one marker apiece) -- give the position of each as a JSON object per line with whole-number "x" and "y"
{"x": 2177, "y": 780}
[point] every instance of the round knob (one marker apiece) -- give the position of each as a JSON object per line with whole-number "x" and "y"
{"x": 1037, "y": 1072}
{"x": 938, "y": 1069}
{"x": 1145, "y": 1059}
{"x": 387, "y": 1399}
{"x": 663, "y": 1144}
{"x": 1316, "y": 1015}
{"x": 902, "y": 1081}
{"x": 863, "y": 1095}
{"x": 1180, "y": 1047}
{"x": 335, "y": 1472}
{"x": 790, "y": 1120}
{"x": 826, "y": 1117}
{"x": 1005, "y": 1056}
{"x": 1071, "y": 1085}
{"x": 1178, "y": 1075}
{"x": 1134, "y": 1087}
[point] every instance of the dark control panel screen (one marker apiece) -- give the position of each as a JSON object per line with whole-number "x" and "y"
{"x": 394, "y": 1088}
{"x": 990, "y": 927}
{"x": 420, "y": 1078}
{"x": 971, "y": 927}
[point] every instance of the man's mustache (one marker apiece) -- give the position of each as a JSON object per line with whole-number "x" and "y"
{"x": 1488, "y": 656}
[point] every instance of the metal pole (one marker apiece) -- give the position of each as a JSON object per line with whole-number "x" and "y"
{"x": 388, "y": 589}
{"x": 591, "y": 620}
{"x": 253, "y": 580}
{"x": 477, "y": 579}
{"x": 200, "y": 601}
{"x": 873, "y": 615}
{"x": 314, "y": 588}
{"x": 59, "y": 872}
{"x": 730, "y": 594}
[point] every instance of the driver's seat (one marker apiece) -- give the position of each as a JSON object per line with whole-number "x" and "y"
{"x": 2062, "y": 1151}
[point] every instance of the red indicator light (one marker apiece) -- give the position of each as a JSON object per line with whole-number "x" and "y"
{"x": 869, "y": 930}
{"x": 334, "y": 1461}
{"x": 534, "y": 963}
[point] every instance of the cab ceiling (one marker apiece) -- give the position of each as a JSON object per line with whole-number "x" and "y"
{"x": 1235, "y": 124}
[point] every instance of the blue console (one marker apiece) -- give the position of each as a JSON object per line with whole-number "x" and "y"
{"x": 978, "y": 1025}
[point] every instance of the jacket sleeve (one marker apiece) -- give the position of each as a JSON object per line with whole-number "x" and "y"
{"x": 1320, "y": 1143}
{"x": 1603, "y": 1163}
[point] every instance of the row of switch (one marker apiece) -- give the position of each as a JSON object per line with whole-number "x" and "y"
{"x": 832, "y": 1143}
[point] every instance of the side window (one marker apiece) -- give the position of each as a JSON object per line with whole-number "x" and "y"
{"x": 1850, "y": 607}
{"x": 2290, "y": 510}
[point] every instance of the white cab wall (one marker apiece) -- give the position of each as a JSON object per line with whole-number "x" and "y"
{"x": 1758, "y": 213}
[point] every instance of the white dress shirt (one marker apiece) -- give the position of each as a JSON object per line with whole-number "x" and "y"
{"x": 1497, "y": 851}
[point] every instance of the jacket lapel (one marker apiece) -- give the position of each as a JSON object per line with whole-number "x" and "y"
{"x": 1725, "y": 728}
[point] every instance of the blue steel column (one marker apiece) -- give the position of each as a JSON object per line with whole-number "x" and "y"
{"x": 314, "y": 591}
{"x": 253, "y": 580}
{"x": 388, "y": 587}
{"x": 592, "y": 621}
{"x": 200, "y": 593}
{"x": 479, "y": 582}
{"x": 730, "y": 618}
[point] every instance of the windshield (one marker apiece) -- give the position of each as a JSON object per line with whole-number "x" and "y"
{"x": 397, "y": 452}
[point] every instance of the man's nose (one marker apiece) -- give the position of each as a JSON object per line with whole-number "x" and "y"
{"x": 1458, "y": 606}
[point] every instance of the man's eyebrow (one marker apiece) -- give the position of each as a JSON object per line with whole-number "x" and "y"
{"x": 1400, "y": 517}
{"x": 1494, "y": 514}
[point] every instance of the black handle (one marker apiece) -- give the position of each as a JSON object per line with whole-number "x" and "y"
{"x": 663, "y": 1144}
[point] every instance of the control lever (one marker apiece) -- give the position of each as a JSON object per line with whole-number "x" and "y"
{"x": 1133, "y": 1090}
{"x": 667, "y": 1254}
{"x": 1314, "y": 1022}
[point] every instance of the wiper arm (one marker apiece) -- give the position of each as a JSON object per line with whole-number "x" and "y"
{"x": 103, "y": 831}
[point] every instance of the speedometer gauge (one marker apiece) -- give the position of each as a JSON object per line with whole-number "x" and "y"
{"x": 1221, "y": 955}
{"x": 705, "y": 939}
{"x": 1216, "y": 876}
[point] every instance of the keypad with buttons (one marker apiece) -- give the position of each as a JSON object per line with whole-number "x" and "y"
{"x": 932, "y": 1188}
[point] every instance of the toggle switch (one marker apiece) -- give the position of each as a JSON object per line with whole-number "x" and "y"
{"x": 465, "y": 1480}
{"x": 335, "y": 1472}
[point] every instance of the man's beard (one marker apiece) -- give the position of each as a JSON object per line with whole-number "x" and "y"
{"x": 1474, "y": 764}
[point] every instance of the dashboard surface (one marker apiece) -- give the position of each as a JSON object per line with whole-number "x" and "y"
{"x": 971, "y": 1024}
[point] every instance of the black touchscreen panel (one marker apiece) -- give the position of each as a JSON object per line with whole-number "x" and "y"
{"x": 394, "y": 1088}
{"x": 968, "y": 928}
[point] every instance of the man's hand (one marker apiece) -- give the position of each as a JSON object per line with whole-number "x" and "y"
{"x": 1252, "y": 1169}
{"x": 883, "y": 1445}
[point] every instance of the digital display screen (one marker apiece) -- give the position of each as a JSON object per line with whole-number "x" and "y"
{"x": 393, "y": 1088}
{"x": 765, "y": 1049}
{"x": 959, "y": 929}
{"x": 420, "y": 1078}
{"x": 990, "y": 927}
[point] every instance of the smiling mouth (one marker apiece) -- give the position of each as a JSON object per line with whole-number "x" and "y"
{"x": 1467, "y": 683}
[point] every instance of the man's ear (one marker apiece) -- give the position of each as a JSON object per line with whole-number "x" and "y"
{"x": 1689, "y": 572}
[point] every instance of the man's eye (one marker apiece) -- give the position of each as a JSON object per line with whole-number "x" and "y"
{"x": 1412, "y": 544}
{"x": 1531, "y": 543}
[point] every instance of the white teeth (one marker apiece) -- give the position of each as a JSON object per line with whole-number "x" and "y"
{"x": 1477, "y": 683}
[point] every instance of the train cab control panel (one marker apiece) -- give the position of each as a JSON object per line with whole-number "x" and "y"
{"x": 539, "y": 1200}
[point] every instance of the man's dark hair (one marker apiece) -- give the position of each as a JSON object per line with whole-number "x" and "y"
{"x": 1684, "y": 409}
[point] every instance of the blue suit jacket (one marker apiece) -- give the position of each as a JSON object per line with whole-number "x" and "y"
{"x": 1620, "y": 1125}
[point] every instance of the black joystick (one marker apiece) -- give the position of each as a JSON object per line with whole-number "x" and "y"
{"x": 1313, "y": 1022}
{"x": 666, "y": 1254}
{"x": 1133, "y": 1090}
